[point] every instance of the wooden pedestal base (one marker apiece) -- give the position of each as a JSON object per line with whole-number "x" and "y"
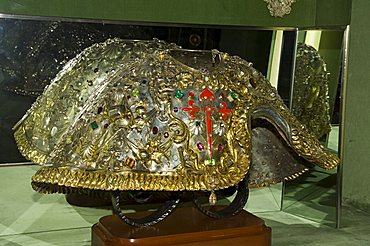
{"x": 185, "y": 226}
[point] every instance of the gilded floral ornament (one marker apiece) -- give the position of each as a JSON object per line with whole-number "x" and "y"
{"x": 146, "y": 116}
{"x": 160, "y": 118}
{"x": 279, "y": 8}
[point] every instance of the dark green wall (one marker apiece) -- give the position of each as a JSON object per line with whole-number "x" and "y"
{"x": 330, "y": 50}
{"x": 356, "y": 161}
{"x": 218, "y": 12}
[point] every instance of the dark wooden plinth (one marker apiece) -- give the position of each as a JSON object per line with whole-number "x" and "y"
{"x": 185, "y": 226}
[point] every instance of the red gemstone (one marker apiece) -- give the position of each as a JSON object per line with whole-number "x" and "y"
{"x": 220, "y": 147}
{"x": 155, "y": 130}
{"x": 191, "y": 94}
{"x": 200, "y": 146}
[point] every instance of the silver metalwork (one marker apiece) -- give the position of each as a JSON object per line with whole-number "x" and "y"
{"x": 279, "y": 8}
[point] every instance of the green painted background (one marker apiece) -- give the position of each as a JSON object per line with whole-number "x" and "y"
{"x": 217, "y": 12}
{"x": 356, "y": 161}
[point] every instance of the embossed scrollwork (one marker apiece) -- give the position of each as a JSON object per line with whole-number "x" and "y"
{"x": 279, "y": 8}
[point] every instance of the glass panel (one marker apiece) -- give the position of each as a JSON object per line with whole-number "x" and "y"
{"x": 32, "y": 52}
{"x": 315, "y": 100}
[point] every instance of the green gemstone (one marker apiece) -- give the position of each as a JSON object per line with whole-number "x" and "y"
{"x": 94, "y": 125}
{"x": 179, "y": 94}
{"x": 234, "y": 95}
{"x": 206, "y": 78}
{"x": 210, "y": 162}
{"x": 69, "y": 140}
{"x": 135, "y": 92}
{"x": 197, "y": 123}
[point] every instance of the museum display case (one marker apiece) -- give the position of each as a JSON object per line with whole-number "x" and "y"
{"x": 37, "y": 47}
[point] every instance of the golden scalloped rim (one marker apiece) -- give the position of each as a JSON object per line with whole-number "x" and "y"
{"x": 275, "y": 181}
{"x": 28, "y": 150}
{"x": 62, "y": 180}
{"x": 296, "y": 175}
{"x": 102, "y": 180}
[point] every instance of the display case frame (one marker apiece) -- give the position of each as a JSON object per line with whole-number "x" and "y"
{"x": 239, "y": 15}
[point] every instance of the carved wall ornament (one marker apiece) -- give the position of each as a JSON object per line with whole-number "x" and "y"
{"x": 279, "y": 8}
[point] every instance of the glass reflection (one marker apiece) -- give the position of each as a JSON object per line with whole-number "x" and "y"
{"x": 315, "y": 100}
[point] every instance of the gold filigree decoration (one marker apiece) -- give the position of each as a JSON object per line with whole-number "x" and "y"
{"x": 279, "y": 8}
{"x": 110, "y": 144}
{"x": 311, "y": 91}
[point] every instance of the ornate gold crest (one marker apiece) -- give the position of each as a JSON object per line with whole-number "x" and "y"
{"x": 279, "y": 8}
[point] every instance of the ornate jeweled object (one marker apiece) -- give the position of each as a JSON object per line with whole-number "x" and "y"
{"x": 155, "y": 116}
{"x": 143, "y": 116}
{"x": 279, "y": 8}
{"x": 310, "y": 102}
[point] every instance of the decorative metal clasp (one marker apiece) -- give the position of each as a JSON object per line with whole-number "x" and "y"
{"x": 279, "y": 8}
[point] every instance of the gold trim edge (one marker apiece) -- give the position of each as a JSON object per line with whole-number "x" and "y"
{"x": 29, "y": 151}
{"x": 103, "y": 180}
{"x": 95, "y": 180}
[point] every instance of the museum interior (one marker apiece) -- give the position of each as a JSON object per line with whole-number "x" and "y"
{"x": 184, "y": 122}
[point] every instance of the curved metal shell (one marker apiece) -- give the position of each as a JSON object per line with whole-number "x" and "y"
{"x": 310, "y": 102}
{"x": 161, "y": 118}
